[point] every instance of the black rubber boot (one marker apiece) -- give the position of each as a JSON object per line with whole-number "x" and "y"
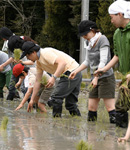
{"x": 1, "y": 95}
{"x": 92, "y": 116}
{"x": 16, "y": 95}
{"x": 75, "y": 112}
{"x": 50, "y": 103}
{"x": 112, "y": 116}
{"x": 57, "y": 111}
{"x": 122, "y": 119}
{"x": 10, "y": 97}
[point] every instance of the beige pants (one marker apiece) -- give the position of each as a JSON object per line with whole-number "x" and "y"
{"x": 44, "y": 94}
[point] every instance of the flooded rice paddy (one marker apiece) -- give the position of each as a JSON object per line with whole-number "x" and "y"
{"x": 39, "y": 131}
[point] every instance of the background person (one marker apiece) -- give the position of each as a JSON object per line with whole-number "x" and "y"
{"x": 5, "y": 75}
{"x": 11, "y": 42}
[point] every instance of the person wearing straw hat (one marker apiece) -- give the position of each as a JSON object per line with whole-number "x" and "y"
{"x": 120, "y": 17}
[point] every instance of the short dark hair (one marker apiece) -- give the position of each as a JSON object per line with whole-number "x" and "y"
{"x": 5, "y": 33}
{"x": 27, "y": 38}
{"x": 32, "y": 50}
{"x": 95, "y": 30}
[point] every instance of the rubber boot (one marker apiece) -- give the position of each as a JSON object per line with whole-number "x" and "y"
{"x": 50, "y": 103}
{"x": 1, "y": 95}
{"x": 112, "y": 116}
{"x": 92, "y": 116}
{"x": 16, "y": 95}
{"x": 75, "y": 112}
{"x": 122, "y": 119}
{"x": 57, "y": 111}
{"x": 10, "y": 96}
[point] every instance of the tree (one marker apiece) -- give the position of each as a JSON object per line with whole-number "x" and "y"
{"x": 103, "y": 20}
{"x": 21, "y": 15}
{"x": 93, "y": 9}
{"x": 57, "y": 30}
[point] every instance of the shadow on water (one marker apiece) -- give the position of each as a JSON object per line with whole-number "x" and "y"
{"x": 39, "y": 131}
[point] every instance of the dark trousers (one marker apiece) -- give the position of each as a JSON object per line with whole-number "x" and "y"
{"x": 66, "y": 89}
{"x": 4, "y": 80}
{"x": 12, "y": 89}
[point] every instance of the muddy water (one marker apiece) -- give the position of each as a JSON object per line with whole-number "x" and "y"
{"x": 38, "y": 131}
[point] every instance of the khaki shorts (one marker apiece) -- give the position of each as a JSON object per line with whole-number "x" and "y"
{"x": 44, "y": 94}
{"x": 104, "y": 89}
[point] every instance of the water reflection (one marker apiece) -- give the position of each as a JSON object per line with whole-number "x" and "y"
{"x": 36, "y": 131}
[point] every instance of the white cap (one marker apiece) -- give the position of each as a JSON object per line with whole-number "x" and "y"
{"x": 120, "y": 6}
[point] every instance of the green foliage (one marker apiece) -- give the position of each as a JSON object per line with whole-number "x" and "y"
{"x": 44, "y": 80}
{"x": 4, "y": 123}
{"x": 93, "y": 9}
{"x": 17, "y": 54}
{"x": 83, "y": 85}
{"x": 23, "y": 17}
{"x": 57, "y": 28}
{"x": 90, "y": 87}
{"x": 76, "y": 11}
{"x": 103, "y": 20}
{"x": 83, "y": 146}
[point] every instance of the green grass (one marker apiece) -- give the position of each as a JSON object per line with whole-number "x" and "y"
{"x": 82, "y": 145}
{"x": 4, "y": 123}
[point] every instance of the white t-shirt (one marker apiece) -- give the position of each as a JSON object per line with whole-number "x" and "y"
{"x": 32, "y": 77}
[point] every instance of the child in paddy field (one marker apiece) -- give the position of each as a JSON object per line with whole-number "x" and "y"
{"x": 22, "y": 72}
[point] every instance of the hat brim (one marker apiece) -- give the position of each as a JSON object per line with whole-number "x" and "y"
{"x": 35, "y": 47}
{"x": 83, "y": 33}
{"x": 23, "y": 54}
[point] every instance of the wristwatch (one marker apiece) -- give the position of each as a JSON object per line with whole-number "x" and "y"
{"x": 54, "y": 76}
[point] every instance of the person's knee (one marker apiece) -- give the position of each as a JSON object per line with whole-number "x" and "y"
{"x": 110, "y": 107}
{"x": 92, "y": 107}
{"x": 109, "y": 104}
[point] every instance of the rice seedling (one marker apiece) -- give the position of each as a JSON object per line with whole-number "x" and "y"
{"x": 4, "y": 123}
{"x": 90, "y": 87}
{"x": 117, "y": 74}
{"x": 83, "y": 85}
{"x": 82, "y": 145}
{"x": 17, "y": 54}
{"x": 43, "y": 80}
{"x": 63, "y": 75}
{"x": 124, "y": 90}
